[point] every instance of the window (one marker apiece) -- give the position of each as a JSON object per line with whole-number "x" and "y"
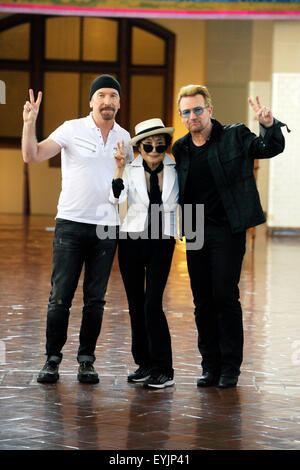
{"x": 62, "y": 55}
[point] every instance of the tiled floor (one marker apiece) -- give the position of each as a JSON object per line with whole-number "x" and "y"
{"x": 263, "y": 412}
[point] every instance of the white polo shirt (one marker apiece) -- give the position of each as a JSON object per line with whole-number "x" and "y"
{"x": 88, "y": 167}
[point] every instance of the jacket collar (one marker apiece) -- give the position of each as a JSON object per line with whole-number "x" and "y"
{"x": 140, "y": 180}
{"x": 215, "y": 133}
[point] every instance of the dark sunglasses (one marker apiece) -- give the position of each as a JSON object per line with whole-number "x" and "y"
{"x": 159, "y": 148}
{"x": 198, "y": 111}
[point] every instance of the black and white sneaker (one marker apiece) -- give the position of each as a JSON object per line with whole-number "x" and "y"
{"x": 49, "y": 373}
{"x": 159, "y": 381}
{"x": 140, "y": 375}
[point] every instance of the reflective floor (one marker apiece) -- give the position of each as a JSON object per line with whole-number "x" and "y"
{"x": 263, "y": 412}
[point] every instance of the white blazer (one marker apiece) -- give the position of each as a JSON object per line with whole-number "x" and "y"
{"x": 135, "y": 189}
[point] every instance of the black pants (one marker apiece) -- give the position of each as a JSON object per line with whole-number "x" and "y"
{"x": 76, "y": 244}
{"x": 145, "y": 266}
{"x": 214, "y": 274}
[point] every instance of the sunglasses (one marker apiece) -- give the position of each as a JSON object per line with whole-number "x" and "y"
{"x": 161, "y": 148}
{"x": 198, "y": 111}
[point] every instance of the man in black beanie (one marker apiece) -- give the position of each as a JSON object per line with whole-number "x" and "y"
{"x": 105, "y": 95}
{"x": 87, "y": 147}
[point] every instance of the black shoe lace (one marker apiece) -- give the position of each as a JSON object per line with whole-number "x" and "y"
{"x": 142, "y": 370}
{"x": 51, "y": 365}
{"x": 88, "y": 366}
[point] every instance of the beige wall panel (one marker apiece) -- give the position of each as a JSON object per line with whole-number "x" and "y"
{"x": 230, "y": 102}
{"x": 11, "y": 181}
{"x": 228, "y": 68}
{"x": 146, "y": 98}
{"x": 228, "y": 51}
{"x": 286, "y": 47}
{"x": 17, "y": 84}
{"x": 190, "y": 60}
{"x": 262, "y": 44}
{"x": 45, "y": 186}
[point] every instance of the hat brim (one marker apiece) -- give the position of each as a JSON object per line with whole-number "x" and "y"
{"x": 163, "y": 130}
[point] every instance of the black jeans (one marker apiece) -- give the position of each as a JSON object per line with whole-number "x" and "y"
{"x": 145, "y": 267}
{"x": 214, "y": 274}
{"x": 76, "y": 244}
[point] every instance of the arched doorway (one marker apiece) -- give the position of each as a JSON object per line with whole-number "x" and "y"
{"x": 62, "y": 55}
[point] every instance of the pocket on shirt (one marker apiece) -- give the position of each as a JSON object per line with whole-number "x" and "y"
{"x": 237, "y": 167}
{"x": 85, "y": 147}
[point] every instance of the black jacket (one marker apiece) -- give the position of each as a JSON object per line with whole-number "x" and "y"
{"x": 231, "y": 154}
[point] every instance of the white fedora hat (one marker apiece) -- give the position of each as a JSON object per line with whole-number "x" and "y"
{"x": 150, "y": 127}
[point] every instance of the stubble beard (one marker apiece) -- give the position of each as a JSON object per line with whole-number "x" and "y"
{"x": 107, "y": 113}
{"x": 196, "y": 127}
{"x": 200, "y": 128}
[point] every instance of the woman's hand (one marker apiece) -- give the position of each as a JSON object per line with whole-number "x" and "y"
{"x": 120, "y": 159}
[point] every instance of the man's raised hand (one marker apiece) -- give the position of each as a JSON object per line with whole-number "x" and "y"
{"x": 31, "y": 107}
{"x": 263, "y": 114}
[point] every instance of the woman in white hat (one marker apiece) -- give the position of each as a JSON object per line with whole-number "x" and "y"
{"x": 146, "y": 245}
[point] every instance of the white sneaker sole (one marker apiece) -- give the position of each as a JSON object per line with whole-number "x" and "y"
{"x": 139, "y": 380}
{"x": 169, "y": 383}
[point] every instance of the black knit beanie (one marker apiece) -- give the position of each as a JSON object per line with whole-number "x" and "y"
{"x": 105, "y": 81}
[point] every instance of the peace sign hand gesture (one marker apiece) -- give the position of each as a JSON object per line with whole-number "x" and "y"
{"x": 31, "y": 108}
{"x": 263, "y": 115}
{"x": 120, "y": 159}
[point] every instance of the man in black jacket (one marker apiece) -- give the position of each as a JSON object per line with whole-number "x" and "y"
{"x": 215, "y": 167}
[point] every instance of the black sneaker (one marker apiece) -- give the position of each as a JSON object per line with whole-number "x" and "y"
{"x": 87, "y": 373}
{"x": 141, "y": 374}
{"x": 49, "y": 373}
{"x": 159, "y": 381}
